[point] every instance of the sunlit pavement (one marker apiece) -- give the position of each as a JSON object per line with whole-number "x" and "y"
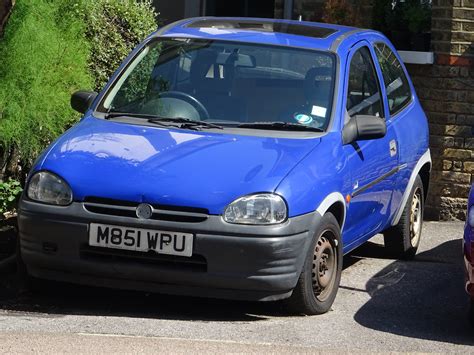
{"x": 382, "y": 305}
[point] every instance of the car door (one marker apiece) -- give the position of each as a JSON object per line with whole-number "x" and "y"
{"x": 406, "y": 118}
{"x": 373, "y": 163}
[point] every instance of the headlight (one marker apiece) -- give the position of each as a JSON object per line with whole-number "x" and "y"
{"x": 256, "y": 209}
{"x": 470, "y": 216}
{"x": 49, "y": 188}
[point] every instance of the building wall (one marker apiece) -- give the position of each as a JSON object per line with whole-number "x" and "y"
{"x": 446, "y": 90}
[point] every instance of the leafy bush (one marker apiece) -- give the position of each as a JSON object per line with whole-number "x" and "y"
{"x": 44, "y": 59}
{"x": 9, "y": 193}
{"x": 342, "y": 12}
{"x": 114, "y": 28}
{"x": 50, "y": 49}
{"x": 411, "y": 15}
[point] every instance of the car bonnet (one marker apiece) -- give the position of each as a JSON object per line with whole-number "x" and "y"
{"x": 137, "y": 163}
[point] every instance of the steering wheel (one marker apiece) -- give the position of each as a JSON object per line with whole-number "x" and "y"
{"x": 179, "y": 95}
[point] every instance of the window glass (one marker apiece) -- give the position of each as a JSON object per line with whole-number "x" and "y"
{"x": 363, "y": 96}
{"x": 135, "y": 85}
{"x": 395, "y": 80}
{"x": 228, "y": 83}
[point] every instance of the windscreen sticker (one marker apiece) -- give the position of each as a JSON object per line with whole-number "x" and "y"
{"x": 319, "y": 111}
{"x": 303, "y": 118}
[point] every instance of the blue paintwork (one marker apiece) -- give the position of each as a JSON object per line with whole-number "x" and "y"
{"x": 468, "y": 246}
{"x": 210, "y": 170}
{"x": 170, "y": 166}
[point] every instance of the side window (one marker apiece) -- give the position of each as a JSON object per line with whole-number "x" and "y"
{"x": 395, "y": 80}
{"x": 363, "y": 95}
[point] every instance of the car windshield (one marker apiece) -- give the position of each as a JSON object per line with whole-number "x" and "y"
{"x": 229, "y": 83}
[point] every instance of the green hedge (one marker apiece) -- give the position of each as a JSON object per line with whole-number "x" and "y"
{"x": 52, "y": 48}
{"x": 44, "y": 59}
{"x": 114, "y": 28}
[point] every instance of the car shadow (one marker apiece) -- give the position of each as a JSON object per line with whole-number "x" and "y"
{"x": 55, "y": 299}
{"x": 422, "y": 299}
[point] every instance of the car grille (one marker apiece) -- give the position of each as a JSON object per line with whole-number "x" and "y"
{"x": 120, "y": 208}
{"x": 195, "y": 263}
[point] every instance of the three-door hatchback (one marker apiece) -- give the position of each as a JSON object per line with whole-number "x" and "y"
{"x": 233, "y": 158}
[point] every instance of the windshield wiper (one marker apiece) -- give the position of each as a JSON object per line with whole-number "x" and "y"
{"x": 127, "y": 114}
{"x": 287, "y": 126}
{"x": 162, "y": 121}
{"x": 184, "y": 122}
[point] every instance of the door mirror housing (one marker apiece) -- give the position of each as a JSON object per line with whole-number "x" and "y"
{"x": 364, "y": 127}
{"x": 81, "y": 101}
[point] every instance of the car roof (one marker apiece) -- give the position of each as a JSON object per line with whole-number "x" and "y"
{"x": 302, "y": 34}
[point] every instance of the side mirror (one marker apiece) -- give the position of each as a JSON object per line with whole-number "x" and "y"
{"x": 364, "y": 127}
{"x": 82, "y": 100}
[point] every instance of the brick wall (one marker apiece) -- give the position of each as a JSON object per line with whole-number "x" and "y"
{"x": 446, "y": 91}
{"x": 447, "y": 95}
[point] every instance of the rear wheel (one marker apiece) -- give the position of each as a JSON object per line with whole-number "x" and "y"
{"x": 319, "y": 281}
{"x": 403, "y": 239}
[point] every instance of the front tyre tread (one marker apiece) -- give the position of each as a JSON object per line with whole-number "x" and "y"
{"x": 303, "y": 299}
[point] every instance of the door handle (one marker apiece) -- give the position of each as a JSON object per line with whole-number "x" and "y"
{"x": 393, "y": 148}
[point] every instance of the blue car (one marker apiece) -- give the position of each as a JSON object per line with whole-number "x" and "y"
{"x": 233, "y": 158}
{"x": 468, "y": 247}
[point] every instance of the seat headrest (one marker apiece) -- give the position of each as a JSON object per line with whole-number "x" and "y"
{"x": 207, "y": 74}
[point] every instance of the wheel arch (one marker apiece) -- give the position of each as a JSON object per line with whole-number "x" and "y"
{"x": 422, "y": 168}
{"x": 425, "y": 177}
{"x": 335, "y": 204}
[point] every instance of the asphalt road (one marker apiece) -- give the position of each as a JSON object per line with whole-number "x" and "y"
{"x": 382, "y": 305}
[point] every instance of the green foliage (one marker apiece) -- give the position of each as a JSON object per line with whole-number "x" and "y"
{"x": 411, "y": 15}
{"x": 342, "y": 12}
{"x": 50, "y": 49}
{"x": 44, "y": 59}
{"x": 418, "y": 16}
{"x": 114, "y": 28}
{"x": 9, "y": 193}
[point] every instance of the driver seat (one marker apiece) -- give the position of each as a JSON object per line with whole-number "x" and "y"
{"x": 212, "y": 85}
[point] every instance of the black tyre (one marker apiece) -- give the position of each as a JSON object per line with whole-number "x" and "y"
{"x": 319, "y": 281}
{"x": 403, "y": 239}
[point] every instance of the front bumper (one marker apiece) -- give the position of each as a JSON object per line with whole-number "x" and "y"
{"x": 229, "y": 261}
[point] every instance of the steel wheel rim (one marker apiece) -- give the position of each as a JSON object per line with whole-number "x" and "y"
{"x": 416, "y": 218}
{"x": 324, "y": 267}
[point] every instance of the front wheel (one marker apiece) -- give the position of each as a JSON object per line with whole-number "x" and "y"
{"x": 403, "y": 239}
{"x": 319, "y": 281}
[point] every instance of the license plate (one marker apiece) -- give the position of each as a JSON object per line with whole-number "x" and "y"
{"x": 137, "y": 239}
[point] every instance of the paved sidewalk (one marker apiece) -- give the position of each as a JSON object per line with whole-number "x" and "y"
{"x": 383, "y": 305}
